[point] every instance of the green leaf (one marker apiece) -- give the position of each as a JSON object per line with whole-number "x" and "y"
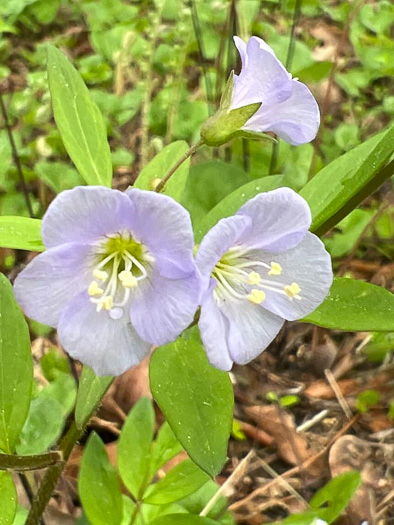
{"x": 79, "y": 120}
{"x": 196, "y": 399}
{"x": 134, "y": 447}
{"x": 161, "y": 164}
{"x": 99, "y": 486}
{"x": 16, "y": 365}
{"x": 165, "y": 447}
{"x": 58, "y": 176}
{"x": 194, "y": 503}
{"x": 232, "y": 202}
{"x": 336, "y": 189}
{"x": 182, "y": 480}
{"x": 21, "y": 233}
{"x": 182, "y": 519}
{"x": 43, "y": 426}
{"x": 8, "y": 499}
{"x": 353, "y": 306}
{"x": 334, "y": 497}
{"x": 90, "y": 393}
{"x": 63, "y": 389}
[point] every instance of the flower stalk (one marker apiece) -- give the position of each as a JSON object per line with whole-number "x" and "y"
{"x": 33, "y": 462}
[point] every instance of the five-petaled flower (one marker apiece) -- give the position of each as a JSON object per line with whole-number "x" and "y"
{"x": 118, "y": 275}
{"x": 259, "y": 268}
{"x": 264, "y": 97}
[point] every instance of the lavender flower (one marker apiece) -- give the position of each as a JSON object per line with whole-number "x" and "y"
{"x": 259, "y": 267}
{"x": 263, "y": 97}
{"x": 118, "y": 275}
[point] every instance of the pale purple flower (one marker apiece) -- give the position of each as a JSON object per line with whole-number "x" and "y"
{"x": 287, "y": 108}
{"x": 118, "y": 275}
{"x": 259, "y": 268}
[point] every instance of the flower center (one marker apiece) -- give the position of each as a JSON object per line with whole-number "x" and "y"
{"x": 240, "y": 276}
{"x": 122, "y": 264}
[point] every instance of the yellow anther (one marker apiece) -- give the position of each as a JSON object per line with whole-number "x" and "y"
{"x": 100, "y": 275}
{"x": 256, "y": 296}
{"x": 128, "y": 279}
{"x": 105, "y": 304}
{"x": 254, "y": 278}
{"x": 94, "y": 289}
{"x": 276, "y": 269}
{"x": 292, "y": 290}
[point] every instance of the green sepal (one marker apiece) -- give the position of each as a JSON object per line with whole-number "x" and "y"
{"x": 224, "y": 125}
{"x": 227, "y": 95}
{"x": 255, "y": 135}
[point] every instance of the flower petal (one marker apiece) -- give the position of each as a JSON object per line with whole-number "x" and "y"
{"x": 84, "y": 214}
{"x": 218, "y": 241}
{"x": 108, "y": 346}
{"x": 164, "y": 307}
{"x": 251, "y": 329}
{"x": 241, "y": 47}
{"x": 280, "y": 220}
{"x": 309, "y": 265}
{"x": 164, "y": 226}
{"x": 51, "y": 280}
{"x": 213, "y": 330}
{"x": 295, "y": 119}
{"x": 263, "y": 79}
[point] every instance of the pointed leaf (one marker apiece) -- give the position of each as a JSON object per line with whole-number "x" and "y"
{"x": 99, "y": 486}
{"x": 21, "y": 233}
{"x": 90, "y": 393}
{"x": 165, "y": 447}
{"x": 79, "y": 120}
{"x": 134, "y": 447}
{"x": 16, "y": 367}
{"x": 8, "y": 499}
{"x": 196, "y": 399}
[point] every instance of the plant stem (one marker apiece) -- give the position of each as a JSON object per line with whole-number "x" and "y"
{"x": 15, "y": 157}
{"x": 289, "y": 62}
{"x": 160, "y": 186}
{"x": 52, "y": 475}
{"x": 36, "y": 462}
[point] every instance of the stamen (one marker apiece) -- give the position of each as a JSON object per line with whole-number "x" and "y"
{"x": 127, "y": 278}
{"x": 94, "y": 289}
{"x": 293, "y": 290}
{"x": 254, "y": 278}
{"x": 256, "y": 296}
{"x": 100, "y": 275}
{"x": 276, "y": 269}
{"x": 105, "y": 304}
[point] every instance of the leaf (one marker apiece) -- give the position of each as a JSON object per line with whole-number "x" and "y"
{"x": 134, "y": 447}
{"x": 43, "y": 426}
{"x": 79, "y": 120}
{"x": 8, "y": 499}
{"x": 331, "y": 191}
{"x": 90, "y": 393}
{"x": 335, "y": 496}
{"x": 165, "y": 447}
{"x": 230, "y": 204}
{"x": 58, "y": 176}
{"x": 196, "y": 399}
{"x": 194, "y": 503}
{"x": 161, "y": 164}
{"x": 21, "y": 233}
{"x": 16, "y": 366}
{"x": 63, "y": 389}
{"x": 182, "y": 519}
{"x": 182, "y": 480}
{"x": 99, "y": 486}
{"x": 354, "y": 305}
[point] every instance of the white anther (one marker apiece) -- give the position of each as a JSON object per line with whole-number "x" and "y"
{"x": 127, "y": 278}
{"x": 100, "y": 275}
{"x": 94, "y": 289}
{"x": 256, "y": 296}
{"x": 276, "y": 269}
{"x": 254, "y": 278}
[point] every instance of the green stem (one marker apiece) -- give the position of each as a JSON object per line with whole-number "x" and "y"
{"x": 52, "y": 476}
{"x": 36, "y": 462}
{"x": 160, "y": 186}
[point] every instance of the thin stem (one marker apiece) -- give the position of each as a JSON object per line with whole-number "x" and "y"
{"x": 52, "y": 475}
{"x": 15, "y": 157}
{"x": 35, "y": 462}
{"x": 289, "y": 62}
{"x": 160, "y": 186}
{"x": 29, "y": 492}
